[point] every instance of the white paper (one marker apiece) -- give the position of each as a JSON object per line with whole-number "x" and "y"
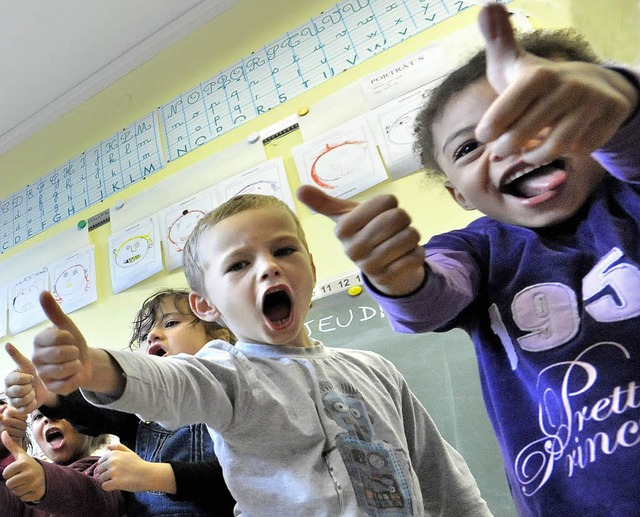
{"x": 178, "y": 221}
{"x": 73, "y": 280}
{"x": 393, "y": 129}
{"x": 4, "y": 308}
{"x": 342, "y": 162}
{"x": 268, "y": 178}
{"x": 405, "y": 75}
{"x": 24, "y": 305}
{"x": 134, "y": 254}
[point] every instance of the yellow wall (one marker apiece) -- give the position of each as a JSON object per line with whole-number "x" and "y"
{"x": 222, "y": 42}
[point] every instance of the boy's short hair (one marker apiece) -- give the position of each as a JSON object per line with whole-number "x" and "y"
{"x": 148, "y": 314}
{"x": 561, "y": 44}
{"x": 194, "y": 269}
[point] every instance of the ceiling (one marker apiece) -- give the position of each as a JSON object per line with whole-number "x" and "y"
{"x": 56, "y": 55}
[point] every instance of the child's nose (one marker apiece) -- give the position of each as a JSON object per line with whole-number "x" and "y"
{"x": 153, "y": 335}
{"x": 270, "y": 268}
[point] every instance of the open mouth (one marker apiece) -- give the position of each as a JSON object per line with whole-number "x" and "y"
{"x": 157, "y": 350}
{"x": 534, "y": 181}
{"x": 276, "y": 306}
{"x": 54, "y": 437}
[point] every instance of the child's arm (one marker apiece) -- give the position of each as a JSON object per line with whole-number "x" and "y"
{"x": 65, "y": 363}
{"x": 577, "y": 107}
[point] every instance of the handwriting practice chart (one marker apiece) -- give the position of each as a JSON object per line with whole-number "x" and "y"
{"x": 332, "y": 42}
{"x": 328, "y": 44}
{"x": 115, "y": 163}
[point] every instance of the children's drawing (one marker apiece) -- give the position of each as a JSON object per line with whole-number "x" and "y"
{"x": 393, "y": 126}
{"x": 177, "y": 223}
{"x": 134, "y": 254}
{"x": 24, "y": 307}
{"x": 268, "y": 178}
{"x": 3, "y": 310}
{"x": 73, "y": 280}
{"x": 342, "y": 162}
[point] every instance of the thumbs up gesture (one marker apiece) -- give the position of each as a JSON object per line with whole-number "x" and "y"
{"x": 60, "y": 352}
{"x": 547, "y": 108}
{"x": 23, "y": 386}
{"x": 377, "y": 236}
{"x": 25, "y": 476}
{"x": 14, "y": 422}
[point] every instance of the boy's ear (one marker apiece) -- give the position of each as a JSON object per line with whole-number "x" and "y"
{"x": 313, "y": 267}
{"x": 458, "y": 197}
{"x": 202, "y": 308}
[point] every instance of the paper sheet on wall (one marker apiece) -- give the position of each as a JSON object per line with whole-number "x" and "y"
{"x": 177, "y": 221}
{"x": 342, "y": 162}
{"x": 4, "y": 319}
{"x": 134, "y": 254}
{"x": 393, "y": 129}
{"x": 405, "y": 75}
{"x": 268, "y": 178}
{"x": 24, "y": 305}
{"x": 73, "y": 280}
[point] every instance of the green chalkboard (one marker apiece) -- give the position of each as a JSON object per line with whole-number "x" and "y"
{"x": 441, "y": 370}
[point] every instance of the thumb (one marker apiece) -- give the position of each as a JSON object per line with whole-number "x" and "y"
{"x": 118, "y": 447}
{"x": 323, "y": 203}
{"x": 501, "y": 47}
{"x": 23, "y": 363}
{"x": 56, "y": 315}
{"x": 15, "y": 450}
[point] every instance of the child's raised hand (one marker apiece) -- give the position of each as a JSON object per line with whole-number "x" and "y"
{"x": 14, "y": 422}
{"x": 60, "y": 352}
{"x": 25, "y": 476}
{"x": 23, "y": 387}
{"x": 547, "y": 109}
{"x": 377, "y": 236}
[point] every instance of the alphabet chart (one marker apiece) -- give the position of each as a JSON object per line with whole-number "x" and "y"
{"x": 333, "y": 41}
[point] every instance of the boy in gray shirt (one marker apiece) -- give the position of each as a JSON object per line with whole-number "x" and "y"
{"x": 299, "y": 428}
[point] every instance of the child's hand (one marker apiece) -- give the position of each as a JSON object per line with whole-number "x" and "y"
{"x": 25, "y": 476}
{"x": 547, "y": 109}
{"x": 14, "y": 422}
{"x": 60, "y": 353}
{"x": 377, "y": 236}
{"x": 23, "y": 387}
{"x": 123, "y": 469}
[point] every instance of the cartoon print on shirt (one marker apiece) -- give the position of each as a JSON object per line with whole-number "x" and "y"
{"x": 374, "y": 466}
{"x": 573, "y": 436}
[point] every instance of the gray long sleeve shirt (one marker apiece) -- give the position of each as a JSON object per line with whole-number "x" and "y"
{"x": 306, "y": 431}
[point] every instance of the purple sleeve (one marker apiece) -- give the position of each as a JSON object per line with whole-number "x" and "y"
{"x": 73, "y": 491}
{"x": 452, "y": 283}
{"x": 621, "y": 155}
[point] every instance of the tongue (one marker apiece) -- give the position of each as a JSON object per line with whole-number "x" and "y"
{"x": 57, "y": 442}
{"x": 539, "y": 182}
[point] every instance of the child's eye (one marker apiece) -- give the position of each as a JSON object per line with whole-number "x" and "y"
{"x": 170, "y": 323}
{"x": 283, "y": 252}
{"x": 36, "y": 416}
{"x": 237, "y": 266}
{"x": 465, "y": 149}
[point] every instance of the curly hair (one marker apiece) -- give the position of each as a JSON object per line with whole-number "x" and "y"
{"x": 148, "y": 314}
{"x": 561, "y": 44}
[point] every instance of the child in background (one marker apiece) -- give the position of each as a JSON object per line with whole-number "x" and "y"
{"x": 68, "y": 486}
{"x": 299, "y": 428}
{"x": 170, "y": 471}
{"x": 548, "y": 285}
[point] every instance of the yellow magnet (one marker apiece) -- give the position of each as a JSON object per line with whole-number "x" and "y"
{"x": 355, "y": 290}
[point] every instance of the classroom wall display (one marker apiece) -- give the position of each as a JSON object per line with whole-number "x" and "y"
{"x": 24, "y": 306}
{"x": 73, "y": 280}
{"x": 441, "y": 370}
{"x": 177, "y": 221}
{"x": 268, "y": 178}
{"x": 134, "y": 254}
{"x": 342, "y": 162}
{"x": 335, "y": 40}
{"x": 124, "y": 158}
